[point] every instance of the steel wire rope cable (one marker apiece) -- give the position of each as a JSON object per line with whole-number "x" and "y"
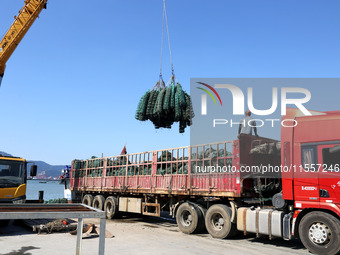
{"x": 167, "y": 30}
{"x": 167, "y": 103}
{"x": 160, "y": 71}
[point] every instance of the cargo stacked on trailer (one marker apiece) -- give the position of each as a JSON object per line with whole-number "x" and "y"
{"x": 225, "y": 187}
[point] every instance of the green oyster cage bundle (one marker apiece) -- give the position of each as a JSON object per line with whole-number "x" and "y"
{"x": 164, "y": 105}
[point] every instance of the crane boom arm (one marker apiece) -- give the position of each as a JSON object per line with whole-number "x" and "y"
{"x": 22, "y": 23}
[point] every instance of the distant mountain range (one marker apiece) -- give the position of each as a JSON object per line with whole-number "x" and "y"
{"x": 50, "y": 170}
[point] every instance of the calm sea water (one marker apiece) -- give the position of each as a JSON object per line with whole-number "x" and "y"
{"x": 52, "y": 189}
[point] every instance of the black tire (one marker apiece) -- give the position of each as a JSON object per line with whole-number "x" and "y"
{"x": 218, "y": 222}
{"x": 4, "y": 223}
{"x": 320, "y": 233}
{"x": 98, "y": 202}
{"x": 87, "y": 200}
{"x": 189, "y": 218}
{"x": 203, "y": 210}
{"x": 111, "y": 207}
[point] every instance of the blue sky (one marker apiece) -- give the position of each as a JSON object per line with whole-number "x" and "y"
{"x": 72, "y": 86}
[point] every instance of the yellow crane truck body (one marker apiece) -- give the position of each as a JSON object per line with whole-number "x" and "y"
{"x": 13, "y": 178}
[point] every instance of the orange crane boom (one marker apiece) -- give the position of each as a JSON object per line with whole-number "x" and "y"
{"x": 22, "y": 23}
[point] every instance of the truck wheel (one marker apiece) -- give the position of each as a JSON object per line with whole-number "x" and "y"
{"x": 202, "y": 220}
{"x": 189, "y": 218}
{"x": 87, "y": 200}
{"x": 98, "y": 202}
{"x": 218, "y": 222}
{"x": 320, "y": 233}
{"x": 4, "y": 223}
{"x": 111, "y": 207}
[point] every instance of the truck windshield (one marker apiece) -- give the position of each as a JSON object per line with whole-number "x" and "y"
{"x": 11, "y": 173}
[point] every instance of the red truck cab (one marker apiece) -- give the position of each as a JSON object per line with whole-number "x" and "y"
{"x": 311, "y": 152}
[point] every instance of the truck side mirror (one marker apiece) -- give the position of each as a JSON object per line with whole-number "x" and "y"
{"x": 34, "y": 169}
{"x": 334, "y": 149}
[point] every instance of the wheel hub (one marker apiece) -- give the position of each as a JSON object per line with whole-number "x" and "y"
{"x": 319, "y": 233}
{"x": 187, "y": 218}
{"x": 218, "y": 221}
{"x": 108, "y": 207}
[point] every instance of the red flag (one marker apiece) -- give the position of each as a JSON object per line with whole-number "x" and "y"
{"x": 123, "y": 151}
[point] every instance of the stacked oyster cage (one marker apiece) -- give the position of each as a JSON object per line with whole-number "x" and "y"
{"x": 164, "y": 105}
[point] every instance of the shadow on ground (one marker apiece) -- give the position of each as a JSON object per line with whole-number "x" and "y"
{"x": 169, "y": 223}
{"x": 294, "y": 244}
{"x": 14, "y": 228}
{"x": 23, "y": 251}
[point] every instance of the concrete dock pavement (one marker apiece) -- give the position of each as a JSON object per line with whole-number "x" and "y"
{"x": 140, "y": 235}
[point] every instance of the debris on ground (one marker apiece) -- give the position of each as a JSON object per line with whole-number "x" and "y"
{"x": 91, "y": 230}
{"x": 49, "y": 226}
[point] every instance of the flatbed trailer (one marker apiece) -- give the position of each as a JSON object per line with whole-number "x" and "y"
{"x": 222, "y": 186}
{"x": 169, "y": 172}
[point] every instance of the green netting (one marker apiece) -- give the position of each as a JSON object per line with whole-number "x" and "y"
{"x": 56, "y": 201}
{"x": 116, "y": 162}
{"x": 109, "y": 162}
{"x": 141, "y": 109}
{"x": 182, "y": 169}
{"x": 178, "y": 110}
{"x": 146, "y": 171}
{"x": 165, "y": 156}
{"x": 173, "y": 92}
{"x": 151, "y": 103}
{"x": 130, "y": 171}
{"x": 167, "y": 99}
{"x": 159, "y": 103}
{"x": 94, "y": 163}
{"x": 76, "y": 164}
{"x": 181, "y": 95}
{"x": 121, "y": 171}
{"x": 165, "y": 105}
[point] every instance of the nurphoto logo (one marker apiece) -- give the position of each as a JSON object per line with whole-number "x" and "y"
{"x": 239, "y": 99}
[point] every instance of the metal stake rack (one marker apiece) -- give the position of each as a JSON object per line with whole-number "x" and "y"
{"x": 57, "y": 211}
